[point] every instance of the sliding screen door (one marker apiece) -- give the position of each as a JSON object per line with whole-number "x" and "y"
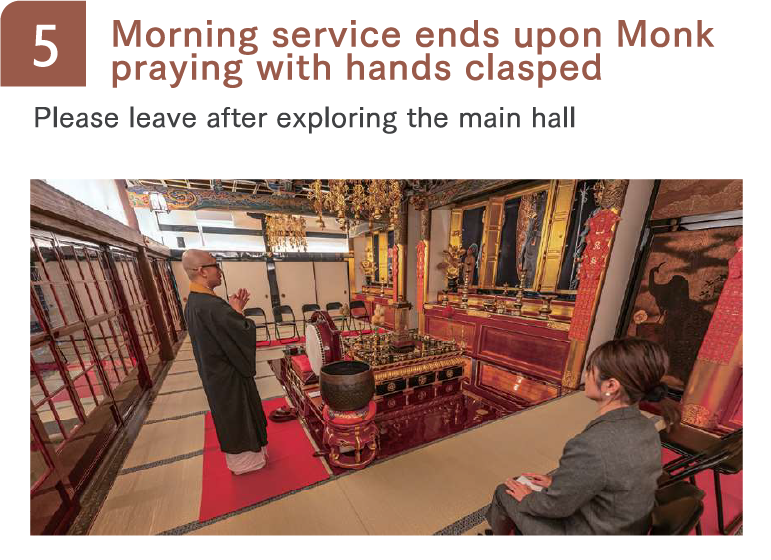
{"x": 296, "y": 285}
{"x": 252, "y": 276}
{"x": 183, "y": 282}
{"x": 331, "y": 282}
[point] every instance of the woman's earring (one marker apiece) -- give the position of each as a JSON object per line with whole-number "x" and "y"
{"x": 607, "y": 394}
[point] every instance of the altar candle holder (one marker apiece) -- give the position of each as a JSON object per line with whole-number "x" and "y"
{"x": 499, "y": 305}
{"x": 516, "y": 306}
{"x": 464, "y": 296}
{"x": 545, "y": 310}
{"x": 506, "y": 289}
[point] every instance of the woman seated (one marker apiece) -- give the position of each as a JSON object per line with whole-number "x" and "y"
{"x": 606, "y": 479}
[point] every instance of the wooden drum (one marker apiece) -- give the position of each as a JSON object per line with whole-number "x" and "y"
{"x": 322, "y": 341}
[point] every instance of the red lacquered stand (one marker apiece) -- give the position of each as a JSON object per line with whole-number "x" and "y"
{"x": 352, "y": 437}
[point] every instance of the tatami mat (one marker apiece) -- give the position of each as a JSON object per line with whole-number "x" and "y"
{"x": 177, "y": 404}
{"x": 269, "y": 387}
{"x": 420, "y": 492}
{"x": 163, "y": 440}
{"x": 269, "y": 353}
{"x": 150, "y": 501}
{"x": 323, "y": 510}
{"x": 183, "y": 365}
{"x": 181, "y": 382}
{"x": 424, "y": 491}
{"x": 263, "y": 368}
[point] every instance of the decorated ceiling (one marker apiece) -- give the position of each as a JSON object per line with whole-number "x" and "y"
{"x": 286, "y": 195}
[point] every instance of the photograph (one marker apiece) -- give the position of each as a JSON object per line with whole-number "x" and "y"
{"x": 477, "y": 357}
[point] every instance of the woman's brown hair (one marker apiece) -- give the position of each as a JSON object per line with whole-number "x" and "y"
{"x": 638, "y": 365}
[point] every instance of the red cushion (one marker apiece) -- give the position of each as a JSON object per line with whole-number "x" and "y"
{"x": 301, "y": 363}
{"x": 351, "y": 417}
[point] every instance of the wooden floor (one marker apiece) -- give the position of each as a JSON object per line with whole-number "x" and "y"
{"x": 427, "y": 490}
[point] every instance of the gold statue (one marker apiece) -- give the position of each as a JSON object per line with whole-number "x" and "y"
{"x": 452, "y": 263}
{"x": 368, "y": 264}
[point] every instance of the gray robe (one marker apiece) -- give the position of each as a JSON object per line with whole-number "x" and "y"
{"x": 224, "y": 346}
{"x": 604, "y": 485}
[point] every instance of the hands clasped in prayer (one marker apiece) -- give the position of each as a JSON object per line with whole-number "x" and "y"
{"x": 238, "y": 300}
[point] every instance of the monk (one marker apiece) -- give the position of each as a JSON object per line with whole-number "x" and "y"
{"x": 224, "y": 345}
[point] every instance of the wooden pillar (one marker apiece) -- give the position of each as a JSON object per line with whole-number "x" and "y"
{"x": 400, "y": 240}
{"x": 351, "y": 260}
{"x": 593, "y": 266}
{"x": 128, "y": 209}
{"x": 422, "y": 258}
{"x": 156, "y": 307}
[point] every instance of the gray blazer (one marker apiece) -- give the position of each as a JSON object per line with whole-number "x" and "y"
{"x": 605, "y": 482}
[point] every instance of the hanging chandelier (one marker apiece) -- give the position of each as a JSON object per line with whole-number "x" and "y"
{"x": 284, "y": 230}
{"x": 377, "y": 200}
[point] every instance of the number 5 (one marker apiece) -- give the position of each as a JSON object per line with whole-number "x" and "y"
{"x": 40, "y": 42}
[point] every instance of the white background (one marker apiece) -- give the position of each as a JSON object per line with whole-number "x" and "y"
{"x": 657, "y": 113}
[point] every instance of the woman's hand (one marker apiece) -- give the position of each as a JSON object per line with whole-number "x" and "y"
{"x": 516, "y": 489}
{"x": 538, "y": 479}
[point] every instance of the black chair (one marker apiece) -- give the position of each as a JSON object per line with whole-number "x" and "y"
{"x": 678, "y": 509}
{"x": 701, "y": 451}
{"x": 676, "y": 491}
{"x": 678, "y": 517}
{"x": 308, "y": 308}
{"x": 279, "y": 312}
{"x": 359, "y": 312}
{"x": 337, "y": 317}
{"x": 258, "y": 312}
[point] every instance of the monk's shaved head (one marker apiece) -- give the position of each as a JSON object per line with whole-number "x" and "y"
{"x": 194, "y": 259}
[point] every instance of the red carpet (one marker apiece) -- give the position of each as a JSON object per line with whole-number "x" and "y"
{"x": 732, "y": 496}
{"x": 291, "y": 465}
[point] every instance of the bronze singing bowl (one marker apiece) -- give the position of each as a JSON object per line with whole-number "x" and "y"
{"x": 347, "y": 385}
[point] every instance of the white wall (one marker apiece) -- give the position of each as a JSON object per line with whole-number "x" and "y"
{"x": 226, "y": 242}
{"x": 621, "y": 259}
{"x": 99, "y": 194}
{"x": 147, "y": 224}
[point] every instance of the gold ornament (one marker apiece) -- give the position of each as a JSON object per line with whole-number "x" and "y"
{"x": 374, "y": 201}
{"x": 395, "y": 194}
{"x": 283, "y": 230}
{"x": 335, "y": 201}
{"x": 316, "y": 196}
{"x": 453, "y": 258}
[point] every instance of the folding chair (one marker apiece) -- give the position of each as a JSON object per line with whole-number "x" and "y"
{"x": 359, "y": 312}
{"x": 700, "y": 451}
{"x": 278, "y": 321}
{"x": 308, "y": 308}
{"x": 258, "y": 312}
{"x": 678, "y": 517}
{"x": 337, "y": 317}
